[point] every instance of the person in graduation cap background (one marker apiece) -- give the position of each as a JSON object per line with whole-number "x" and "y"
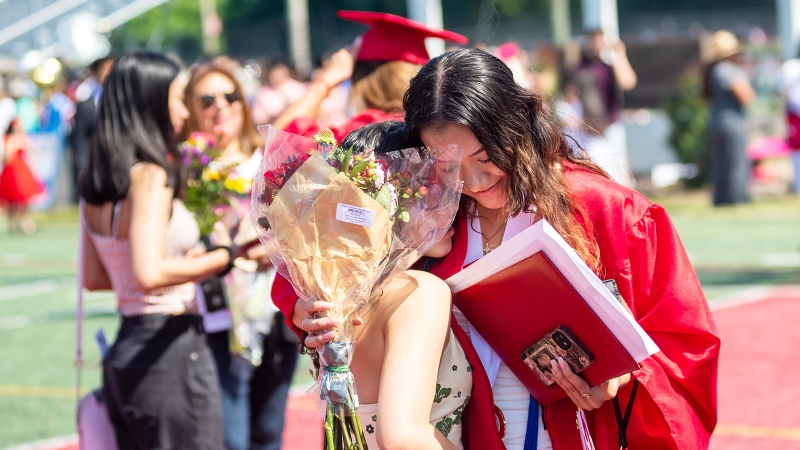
{"x": 379, "y": 65}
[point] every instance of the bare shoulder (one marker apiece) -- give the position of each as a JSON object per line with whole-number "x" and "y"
{"x": 148, "y": 177}
{"x": 429, "y": 285}
{"x": 419, "y": 298}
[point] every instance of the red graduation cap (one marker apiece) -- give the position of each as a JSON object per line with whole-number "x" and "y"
{"x": 395, "y": 38}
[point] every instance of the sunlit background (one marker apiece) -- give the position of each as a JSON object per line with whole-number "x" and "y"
{"x": 740, "y": 253}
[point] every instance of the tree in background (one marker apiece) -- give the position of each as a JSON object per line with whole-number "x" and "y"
{"x": 174, "y": 27}
{"x": 688, "y": 112}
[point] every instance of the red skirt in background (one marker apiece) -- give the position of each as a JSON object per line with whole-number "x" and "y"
{"x": 18, "y": 184}
{"x": 793, "y": 130}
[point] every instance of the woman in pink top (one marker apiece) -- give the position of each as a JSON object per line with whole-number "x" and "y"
{"x": 159, "y": 380}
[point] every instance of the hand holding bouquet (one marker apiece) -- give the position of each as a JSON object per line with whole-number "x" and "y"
{"x": 338, "y": 225}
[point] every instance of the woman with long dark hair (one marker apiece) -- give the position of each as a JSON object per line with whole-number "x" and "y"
{"x": 518, "y": 168}
{"x": 159, "y": 379}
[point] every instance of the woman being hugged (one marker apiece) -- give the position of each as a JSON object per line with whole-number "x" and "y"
{"x": 517, "y": 168}
{"x": 159, "y": 380}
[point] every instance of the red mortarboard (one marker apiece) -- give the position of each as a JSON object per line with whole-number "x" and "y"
{"x": 395, "y": 38}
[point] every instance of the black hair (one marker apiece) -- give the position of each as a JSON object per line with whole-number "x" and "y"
{"x": 385, "y": 137}
{"x": 133, "y": 125}
{"x": 95, "y": 66}
{"x": 380, "y": 137}
{"x": 517, "y": 129}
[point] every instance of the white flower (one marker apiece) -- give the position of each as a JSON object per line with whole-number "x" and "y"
{"x": 392, "y": 200}
{"x": 380, "y": 176}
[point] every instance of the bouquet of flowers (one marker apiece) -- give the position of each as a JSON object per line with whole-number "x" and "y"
{"x": 211, "y": 185}
{"x": 338, "y": 225}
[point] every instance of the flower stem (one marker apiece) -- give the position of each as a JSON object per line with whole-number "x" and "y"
{"x": 358, "y": 432}
{"x": 345, "y": 432}
{"x": 329, "y": 441}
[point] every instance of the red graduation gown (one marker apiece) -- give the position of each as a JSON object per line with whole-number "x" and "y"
{"x": 676, "y": 404}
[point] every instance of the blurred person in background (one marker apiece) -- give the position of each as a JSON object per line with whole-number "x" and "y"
{"x": 379, "y": 67}
{"x": 254, "y": 387}
{"x": 517, "y": 60}
{"x": 58, "y": 110}
{"x": 789, "y": 83}
{"x": 25, "y": 94}
{"x": 18, "y": 183}
{"x": 159, "y": 380}
{"x": 728, "y": 91}
{"x": 601, "y": 75}
{"x": 332, "y": 111}
{"x": 279, "y": 91}
{"x": 87, "y": 97}
{"x": 8, "y": 110}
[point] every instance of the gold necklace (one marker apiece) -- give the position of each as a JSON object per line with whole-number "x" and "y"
{"x": 486, "y": 248}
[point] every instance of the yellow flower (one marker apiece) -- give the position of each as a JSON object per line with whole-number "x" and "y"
{"x": 210, "y": 174}
{"x": 239, "y": 185}
{"x": 325, "y": 136}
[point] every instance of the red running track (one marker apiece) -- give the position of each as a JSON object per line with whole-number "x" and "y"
{"x": 759, "y": 374}
{"x": 759, "y": 381}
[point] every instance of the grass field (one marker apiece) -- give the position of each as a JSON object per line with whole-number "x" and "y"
{"x": 732, "y": 249}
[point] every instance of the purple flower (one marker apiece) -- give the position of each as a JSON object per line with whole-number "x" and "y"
{"x": 195, "y": 152}
{"x": 187, "y": 161}
{"x": 204, "y": 160}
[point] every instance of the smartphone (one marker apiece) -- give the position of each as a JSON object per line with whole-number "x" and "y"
{"x": 558, "y": 343}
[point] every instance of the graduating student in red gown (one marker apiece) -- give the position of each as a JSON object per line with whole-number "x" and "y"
{"x": 518, "y": 162}
{"x": 389, "y": 55}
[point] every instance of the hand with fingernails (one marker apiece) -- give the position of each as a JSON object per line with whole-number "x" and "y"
{"x": 308, "y": 316}
{"x": 580, "y": 392}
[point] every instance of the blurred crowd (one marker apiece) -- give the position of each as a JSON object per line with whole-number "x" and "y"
{"x": 585, "y": 80}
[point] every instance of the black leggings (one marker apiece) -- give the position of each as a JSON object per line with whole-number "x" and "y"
{"x": 161, "y": 386}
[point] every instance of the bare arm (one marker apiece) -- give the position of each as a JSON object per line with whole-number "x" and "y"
{"x": 623, "y": 71}
{"x": 410, "y": 368}
{"x": 95, "y": 276}
{"x": 151, "y": 206}
{"x": 743, "y": 92}
{"x": 340, "y": 69}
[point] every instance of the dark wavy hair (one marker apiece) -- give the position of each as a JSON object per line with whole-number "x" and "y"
{"x": 133, "y": 125}
{"x": 517, "y": 129}
{"x": 381, "y": 137}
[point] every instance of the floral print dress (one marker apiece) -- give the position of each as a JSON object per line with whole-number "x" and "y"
{"x": 453, "y": 389}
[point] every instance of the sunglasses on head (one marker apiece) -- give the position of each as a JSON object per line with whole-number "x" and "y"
{"x": 207, "y": 100}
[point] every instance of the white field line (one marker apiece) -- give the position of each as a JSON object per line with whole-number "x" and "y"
{"x": 27, "y": 289}
{"x": 49, "y": 286}
{"x": 780, "y": 259}
{"x": 753, "y": 295}
{"x": 26, "y": 320}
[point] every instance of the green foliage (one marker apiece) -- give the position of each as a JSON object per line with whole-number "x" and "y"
{"x": 174, "y": 26}
{"x": 688, "y": 112}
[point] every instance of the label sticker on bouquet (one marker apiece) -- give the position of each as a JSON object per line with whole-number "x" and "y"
{"x": 355, "y": 215}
